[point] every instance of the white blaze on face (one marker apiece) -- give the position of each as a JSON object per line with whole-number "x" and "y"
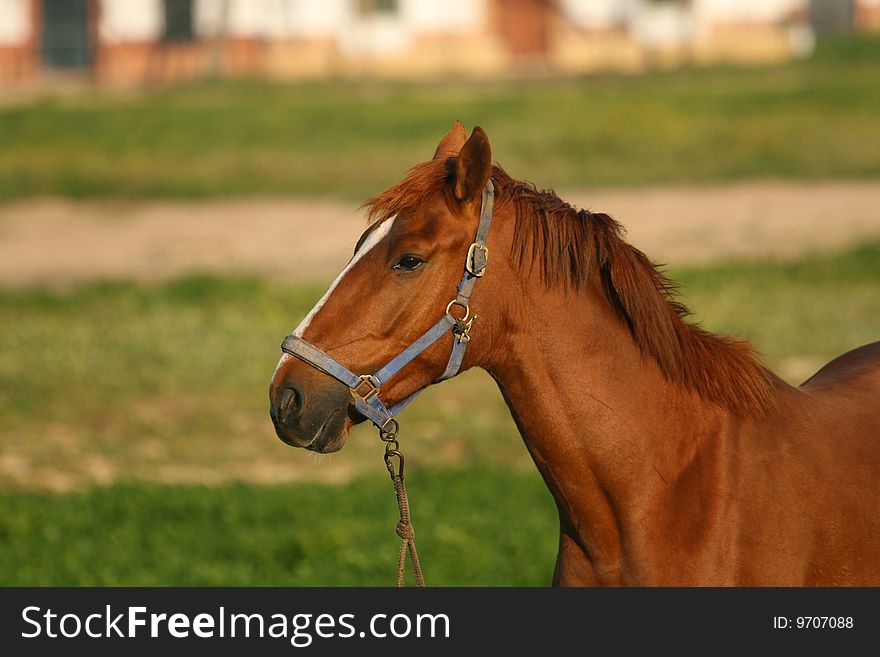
{"x": 372, "y": 240}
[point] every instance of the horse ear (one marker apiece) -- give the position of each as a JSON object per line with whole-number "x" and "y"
{"x": 473, "y": 167}
{"x": 452, "y": 141}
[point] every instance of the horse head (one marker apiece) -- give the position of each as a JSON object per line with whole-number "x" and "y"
{"x": 405, "y": 277}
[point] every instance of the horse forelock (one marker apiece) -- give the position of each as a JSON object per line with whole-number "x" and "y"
{"x": 422, "y": 183}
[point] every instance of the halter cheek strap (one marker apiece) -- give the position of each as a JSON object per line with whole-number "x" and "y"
{"x": 365, "y": 388}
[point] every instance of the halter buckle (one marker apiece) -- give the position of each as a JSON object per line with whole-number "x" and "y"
{"x": 365, "y": 380}
{"x": 476, "y": 264}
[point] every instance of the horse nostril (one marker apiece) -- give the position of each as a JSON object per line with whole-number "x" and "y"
{"x": 290, "y": 403}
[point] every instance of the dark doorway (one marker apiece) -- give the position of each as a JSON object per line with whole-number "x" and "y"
{"x": 65, "y": 42}
{"x": 178, "y": 21}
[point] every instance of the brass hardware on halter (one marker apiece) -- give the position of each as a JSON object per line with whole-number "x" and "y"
{"x": 462, "y": 330}
{"x": 366, "y": 380}
{"x": 390, "y": 454}
{"x": 470, "y": 261}
{"x": 388, "y": 435}
{"x": 467, "y": 310}
{"x": 463, "y": 324}
{"x": 388, "y": 430}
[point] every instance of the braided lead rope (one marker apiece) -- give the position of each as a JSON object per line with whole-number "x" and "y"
{"x": 404, "y": 527}
{"x": 407, "y": 535}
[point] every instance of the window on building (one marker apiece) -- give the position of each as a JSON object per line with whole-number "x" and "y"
{"x": 372, "y": 7}
{"x": 65, "y": 34}
{"x": 178, "y": 21}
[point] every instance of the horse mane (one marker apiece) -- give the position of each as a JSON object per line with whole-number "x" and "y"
{"x": 568, "y": 245}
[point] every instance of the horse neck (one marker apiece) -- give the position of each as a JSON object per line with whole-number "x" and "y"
{"x": 605, "y": 428}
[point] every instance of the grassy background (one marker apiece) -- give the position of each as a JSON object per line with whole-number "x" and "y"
{"x": 167, "y": 384}
{"x": 293, "y": 535}
{"x": 809, "y": 119}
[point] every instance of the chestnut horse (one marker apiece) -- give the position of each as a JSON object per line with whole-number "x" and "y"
{"x": 674, "y": 456}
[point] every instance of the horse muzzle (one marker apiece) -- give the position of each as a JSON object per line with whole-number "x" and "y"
{"x": 311, "y": 414}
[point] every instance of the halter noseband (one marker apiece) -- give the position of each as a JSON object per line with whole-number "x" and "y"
{"x": 366, "y": 387}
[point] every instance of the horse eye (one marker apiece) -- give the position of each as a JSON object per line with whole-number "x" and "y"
{"x": 408, "y": 263}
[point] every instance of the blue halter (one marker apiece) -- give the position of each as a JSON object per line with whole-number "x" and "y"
{"x": 366, "y": 387}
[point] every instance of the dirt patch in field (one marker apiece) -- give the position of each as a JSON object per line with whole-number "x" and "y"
{"x": 61, "y": 242}
{"x": 702, "y": 225}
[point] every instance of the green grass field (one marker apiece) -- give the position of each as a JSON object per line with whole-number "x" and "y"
{"x": 810, "y": 119}
{"x": 294, "y": 535}
{"x": 163, "y": 389}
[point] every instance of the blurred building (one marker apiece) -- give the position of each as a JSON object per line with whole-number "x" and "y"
{"x": 135, "y": 41}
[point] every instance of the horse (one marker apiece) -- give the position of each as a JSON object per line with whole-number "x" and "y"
{"x": 674, "y": 456}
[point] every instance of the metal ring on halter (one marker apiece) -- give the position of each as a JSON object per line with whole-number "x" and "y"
{"x": 391, "y": 433}
{"x": 467, "y": 310}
